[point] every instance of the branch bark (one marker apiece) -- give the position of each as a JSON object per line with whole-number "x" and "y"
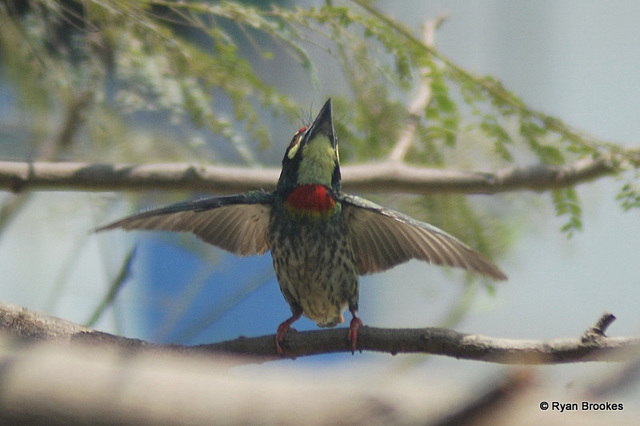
{"x": 592, "y": 346}
{"x": 390, "y": 176}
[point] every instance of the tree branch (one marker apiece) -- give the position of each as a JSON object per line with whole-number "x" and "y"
{"x": 592, "y": 346}
{"x": 390, "y": 176}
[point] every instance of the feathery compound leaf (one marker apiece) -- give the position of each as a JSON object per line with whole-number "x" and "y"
{"x": 629, "y": 195}
{"x": 567, "y": 203}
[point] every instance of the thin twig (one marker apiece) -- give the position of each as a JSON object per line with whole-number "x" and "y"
{"x": 420, "y": 102}
{"x": 598, "y": 330}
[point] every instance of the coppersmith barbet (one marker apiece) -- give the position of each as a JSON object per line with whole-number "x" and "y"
{"x": 320, "y": 238}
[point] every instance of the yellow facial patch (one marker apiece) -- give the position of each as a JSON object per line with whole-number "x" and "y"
{"x": 318, "y": 162}
{"x": 295, "y": 144}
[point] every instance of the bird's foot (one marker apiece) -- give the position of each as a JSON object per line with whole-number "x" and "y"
{"x": 353, "y": 332}
{"x": 282, "y": 330}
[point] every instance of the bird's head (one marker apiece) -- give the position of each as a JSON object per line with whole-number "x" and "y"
{"x": 312, "y": 155}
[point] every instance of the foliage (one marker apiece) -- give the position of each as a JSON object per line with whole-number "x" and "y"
{"x": 184, "y": 59}
{"x": 629, "y": 195}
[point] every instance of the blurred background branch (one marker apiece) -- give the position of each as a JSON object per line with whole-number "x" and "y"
{"x": 372, "y": 178}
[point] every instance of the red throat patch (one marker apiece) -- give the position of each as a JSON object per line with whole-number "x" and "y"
{"x": 312, "y": 198}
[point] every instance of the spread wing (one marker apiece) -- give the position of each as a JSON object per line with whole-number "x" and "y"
{"x": 237, "y": 223}
{"x": 383, "y": 238}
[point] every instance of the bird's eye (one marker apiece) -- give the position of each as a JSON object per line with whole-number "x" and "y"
{"x": 295, "y": 142}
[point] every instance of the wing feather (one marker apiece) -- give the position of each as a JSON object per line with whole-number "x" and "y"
{"x": 382, "y": 238}
{"x": 237, "y": 223}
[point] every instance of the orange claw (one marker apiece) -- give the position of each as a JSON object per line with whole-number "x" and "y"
{"x": 353, "y": 332}
{"x": 282, "y": 330}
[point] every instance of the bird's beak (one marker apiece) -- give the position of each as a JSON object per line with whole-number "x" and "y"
{"x": 322, "y": 126}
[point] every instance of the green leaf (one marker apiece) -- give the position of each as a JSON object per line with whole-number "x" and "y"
{"x": 567, "y": 204}
{"x": 629, "y": 195}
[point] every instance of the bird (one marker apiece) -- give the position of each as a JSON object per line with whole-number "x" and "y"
{"x": 321, "y": 239}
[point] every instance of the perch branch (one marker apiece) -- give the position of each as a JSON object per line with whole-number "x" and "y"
{"x": 22, "y": 323}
